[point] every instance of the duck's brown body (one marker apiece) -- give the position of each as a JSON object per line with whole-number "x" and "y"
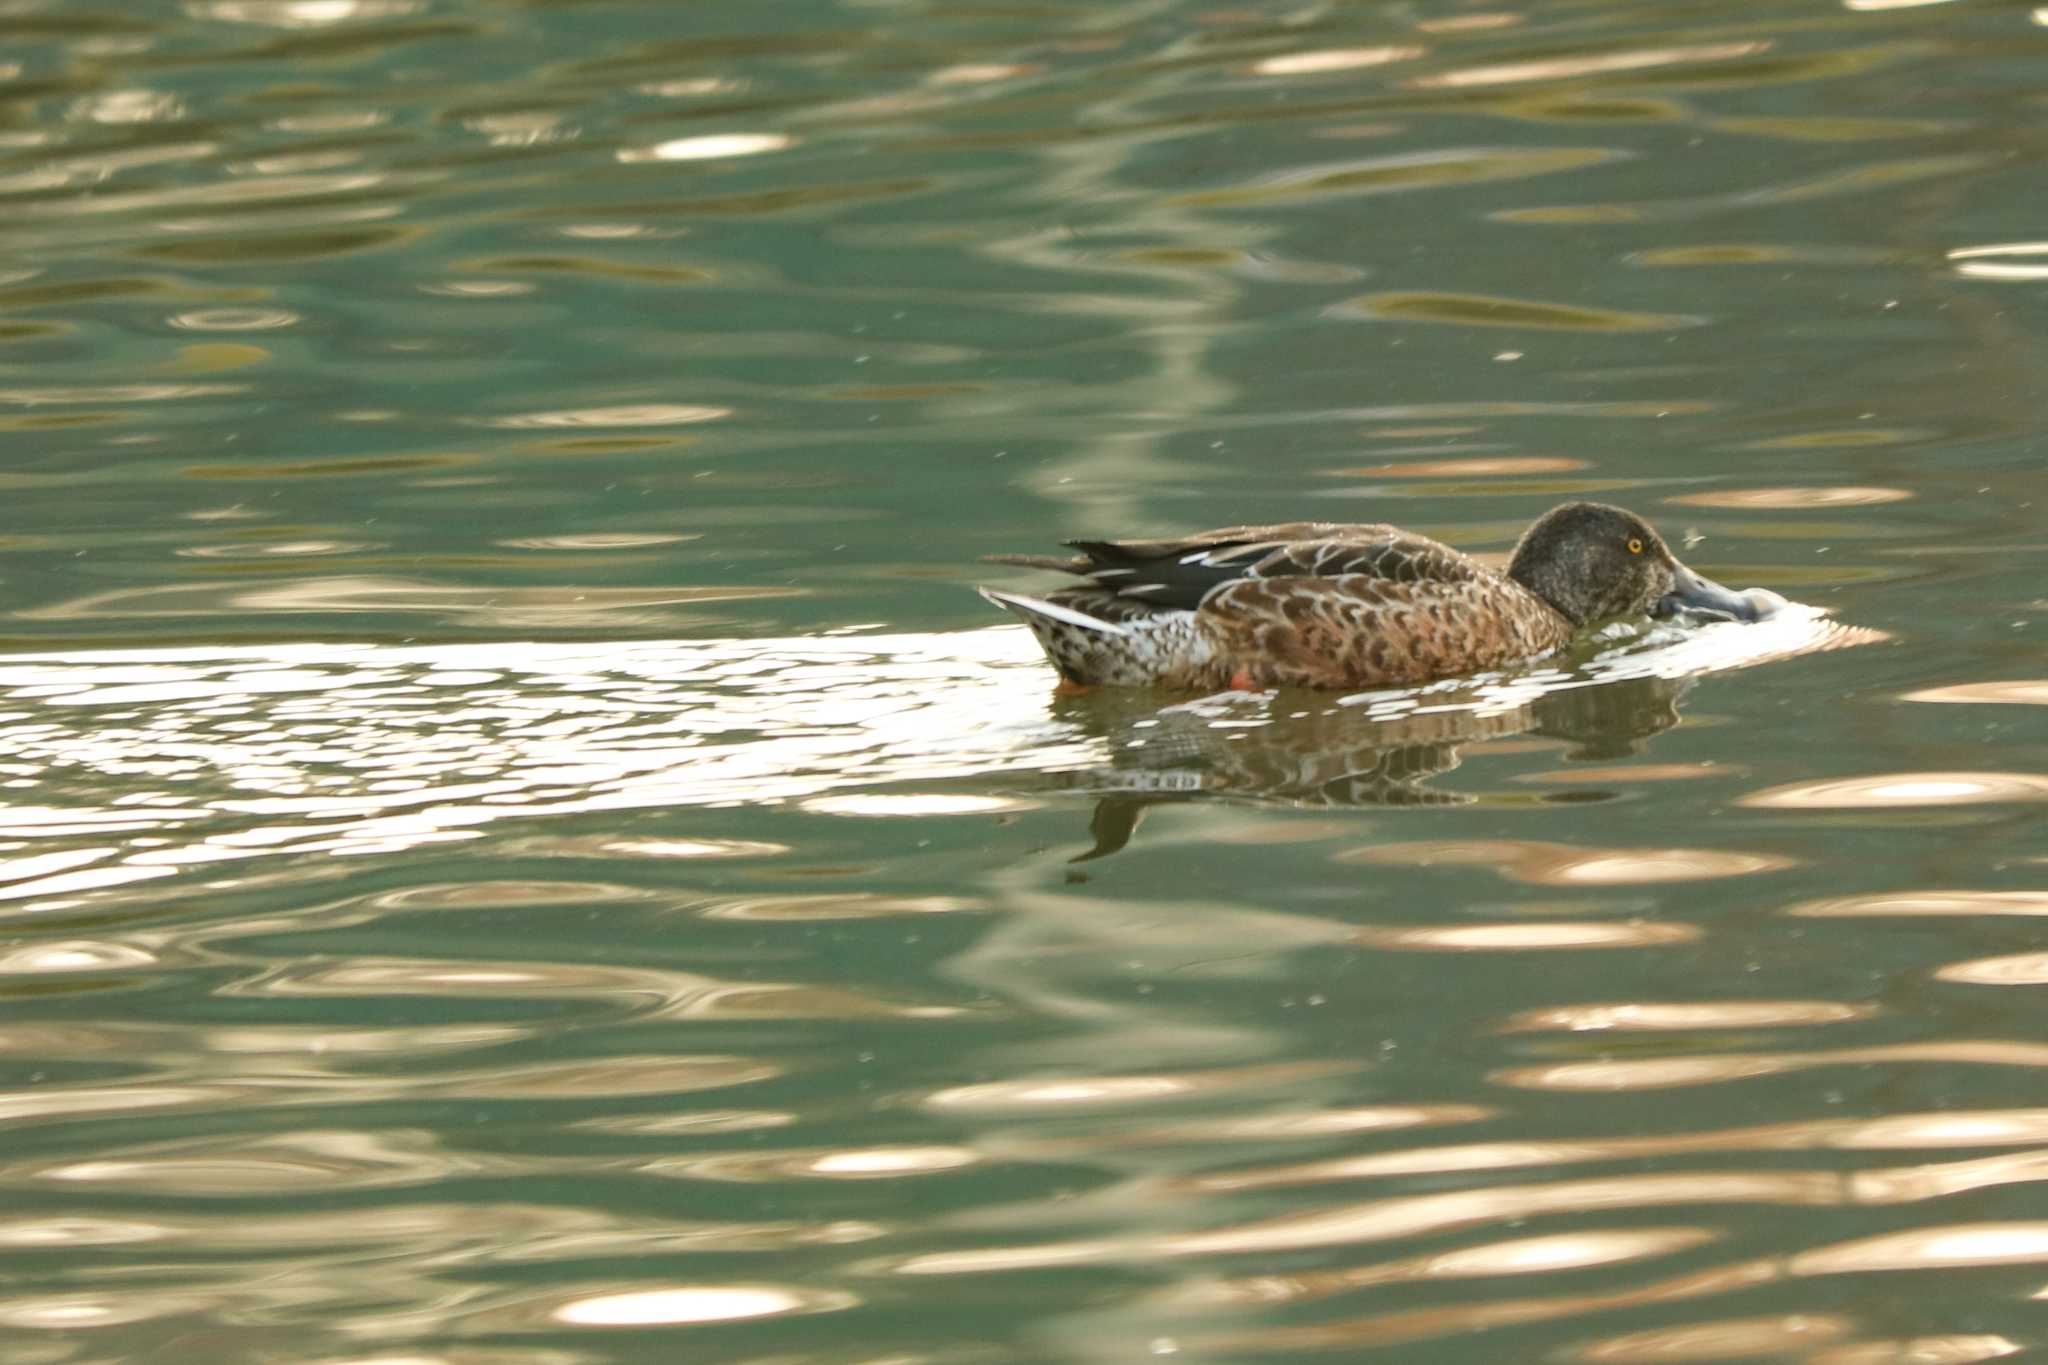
{"x": 1328, "y": 605}
{"x": 1366, "y": 632}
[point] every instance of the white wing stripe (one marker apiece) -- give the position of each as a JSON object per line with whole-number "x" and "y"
{"x": 1038, "y": 606}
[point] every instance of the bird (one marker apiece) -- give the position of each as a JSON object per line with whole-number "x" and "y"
{"x": 1329, "y": 605}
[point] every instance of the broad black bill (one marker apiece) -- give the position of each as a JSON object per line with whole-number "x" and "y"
{"x": 1703, "y": 596}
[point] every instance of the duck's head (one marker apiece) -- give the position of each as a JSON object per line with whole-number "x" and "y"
{"x": 1592, "y": 561}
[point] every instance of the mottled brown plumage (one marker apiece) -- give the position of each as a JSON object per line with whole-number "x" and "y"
{"x": 1328, "y": 605}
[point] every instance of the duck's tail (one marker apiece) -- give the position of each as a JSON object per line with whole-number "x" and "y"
{"x": 1042, "y": 615}
{"x": 1091, "y": 651}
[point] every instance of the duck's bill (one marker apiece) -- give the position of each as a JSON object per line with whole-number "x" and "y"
{"x": 1703, "y": 596}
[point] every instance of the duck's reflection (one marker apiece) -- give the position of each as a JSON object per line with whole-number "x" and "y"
{"x": 1299, "y": 749}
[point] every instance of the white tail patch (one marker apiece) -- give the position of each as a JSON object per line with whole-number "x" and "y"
{"x": 1028, "y": 607}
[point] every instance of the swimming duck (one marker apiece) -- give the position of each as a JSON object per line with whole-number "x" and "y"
{"x": 1323, "y": 604}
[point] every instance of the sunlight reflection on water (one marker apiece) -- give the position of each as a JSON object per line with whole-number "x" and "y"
{"x": 356, "y": 749}
{"x": 232, "y": 754}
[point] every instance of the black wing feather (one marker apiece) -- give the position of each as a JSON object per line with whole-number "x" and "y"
{"x": 1168, "y": 579}
{"x": 1184, "y": 573}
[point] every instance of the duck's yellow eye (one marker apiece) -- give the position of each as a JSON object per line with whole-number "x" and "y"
{"x": 1635, "y": 545}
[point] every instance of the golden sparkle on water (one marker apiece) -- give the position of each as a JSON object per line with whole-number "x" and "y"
{"x": 709, "y": 147}
{"x": 1890, "y": 790}
{"x": 690, "y": 1304}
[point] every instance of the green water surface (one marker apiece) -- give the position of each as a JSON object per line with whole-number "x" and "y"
{"x": 520, "y": 846}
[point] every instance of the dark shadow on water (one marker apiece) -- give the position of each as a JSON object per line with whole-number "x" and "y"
{"x": 1300, "y": 750}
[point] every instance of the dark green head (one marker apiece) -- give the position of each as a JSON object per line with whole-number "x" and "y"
{"x": 1592, "y": 561}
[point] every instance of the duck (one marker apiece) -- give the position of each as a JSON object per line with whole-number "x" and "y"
{"x": 1329, "y": 605}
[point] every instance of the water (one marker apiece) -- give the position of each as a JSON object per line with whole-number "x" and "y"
{"x": 521, "y": 847}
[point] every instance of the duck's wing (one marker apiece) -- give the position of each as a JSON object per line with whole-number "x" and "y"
{"x": 1184, "y": 572}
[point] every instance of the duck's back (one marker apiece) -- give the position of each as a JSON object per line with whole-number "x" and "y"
{"x": 1184, "y": 571}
